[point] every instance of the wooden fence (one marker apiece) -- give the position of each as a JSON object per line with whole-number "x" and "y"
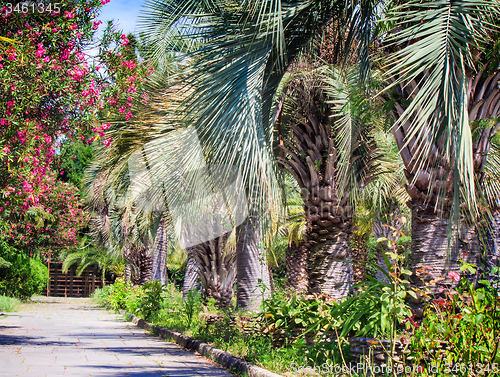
{"x": 69, "y": 285}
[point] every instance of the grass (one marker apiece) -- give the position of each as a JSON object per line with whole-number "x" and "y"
{"x": 10, "y": 304}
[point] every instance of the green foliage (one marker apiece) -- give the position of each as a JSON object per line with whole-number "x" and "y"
{"x": 100, "y": 295}
{"x": 172, "y": 314}
{"x": 134, "y": 300}
{"x": 21, "y": 276}
{"x": 39, "y": 275}
{"x": 176, "y": 263}
{"x": 372, "y": 245}
{"x": 88, "y": 255}
{"x": 192, "y": 305}
{"x": 285, "y": 314}
{"x": 251, "y": 347}
{"x": 380, "y": 306}
{"x": 468, "y": 321}
{"x": 10, "y": 304}
{"x": 375, "y": 311}
{"x": 74, "y": 158}
{"x": 4, "y": 263}
{"x": 151, "y": 300}
{"x": 115, "y": 295}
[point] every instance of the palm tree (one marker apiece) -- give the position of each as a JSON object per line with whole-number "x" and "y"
{"x": 490, "y": 226}
{"x": 88, "y": 256}
{"x": 191, "y": 280}
{"x": 293, "y": 230}
{"x": 329, "y": 160}
{"x": 382, "y": 204}
{"x": 243, "y": 54}
{"x": 437, "y": 68}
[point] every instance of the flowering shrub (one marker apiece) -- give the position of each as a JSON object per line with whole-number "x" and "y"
{"x": 467, "y": 321}
{"x": 53, "y": 93}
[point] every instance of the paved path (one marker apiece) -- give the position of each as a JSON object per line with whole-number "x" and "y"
{"x": 73, "y": 337}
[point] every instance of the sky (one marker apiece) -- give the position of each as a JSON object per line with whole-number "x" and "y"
{"x": 124, "y": 12}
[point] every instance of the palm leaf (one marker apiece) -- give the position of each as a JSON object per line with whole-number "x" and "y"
{"x": 439, "y": 37}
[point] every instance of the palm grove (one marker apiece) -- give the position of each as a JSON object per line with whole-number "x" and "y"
{"x": 345, "y": 108}
{"x": 310, "y": 89}
{"x": 333, "y": 120}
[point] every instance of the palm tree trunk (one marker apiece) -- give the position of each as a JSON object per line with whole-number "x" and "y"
{"x": 251, "y": 266}
{"x": 493, "y": 254}
{"x": 329, "y": 270}
{"x": 297, "y": 274}
{"x": 191, "y": 280}
{"x": 217, "y": 270}
{"x": 359, "y": 255}
{"x": 128, "y": 272}
{"x": 145, "y": 267}
{"x": 160, "y": 254}
{"x": 435, "y": 252}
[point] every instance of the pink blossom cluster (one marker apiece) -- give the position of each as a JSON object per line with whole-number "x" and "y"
{"x": 62, "y": 99}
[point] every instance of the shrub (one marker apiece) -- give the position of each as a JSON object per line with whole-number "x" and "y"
{"x": 118, "y": 292}
{"x": 467, "y": 320}
{"x": 151, "y": 300}
{"x": 21, "y": 276}
{"x": 100, "y": 295}
{"x": 134, "y": 299}
{"x": 39, "y": 275}
{"x": 192, "y": 305}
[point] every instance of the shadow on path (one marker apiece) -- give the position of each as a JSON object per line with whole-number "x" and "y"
{"x": 73, "y": 337}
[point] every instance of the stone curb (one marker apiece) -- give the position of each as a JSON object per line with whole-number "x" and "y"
{"x": 225, "y": 359}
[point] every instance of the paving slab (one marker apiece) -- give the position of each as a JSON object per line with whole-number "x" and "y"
{"x": 55, "y": 336}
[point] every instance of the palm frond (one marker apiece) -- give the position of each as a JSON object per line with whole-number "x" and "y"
{"x": 438, "y": 38}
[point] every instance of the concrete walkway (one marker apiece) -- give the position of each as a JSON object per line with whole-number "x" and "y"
{"x": 73, "y": 337}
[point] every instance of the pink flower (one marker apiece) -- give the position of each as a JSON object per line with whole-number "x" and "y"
{"x": 106, "y": 126}
{"x": 73, "y": 27}
{"x": 128, "y": 116}
{"x": 68, "y": 15}
{"x": 453, "y": 275}
{"x": 104, "y": 2}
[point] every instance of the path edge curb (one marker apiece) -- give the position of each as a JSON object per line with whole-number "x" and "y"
{"x": 225, "y": 359}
